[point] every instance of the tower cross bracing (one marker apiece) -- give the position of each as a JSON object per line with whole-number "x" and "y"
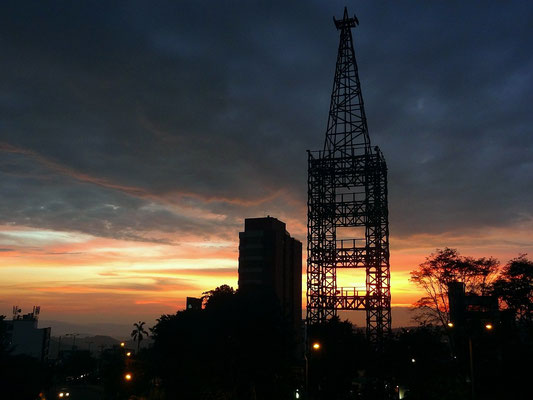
{"x": 347, "y": 188}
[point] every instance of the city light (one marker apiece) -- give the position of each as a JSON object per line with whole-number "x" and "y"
{"x": 488, "y": 326}
{"x": 128, "y": 354}
{"x": 316, "y": 346}
{"x": 122, "y": 344}
{"x": 450, "y": 324}
{"x": 413, "y": 360}
{"x": 128, "y": 377}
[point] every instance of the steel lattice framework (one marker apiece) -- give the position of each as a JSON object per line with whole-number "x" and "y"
{"x": 347, "y": 188}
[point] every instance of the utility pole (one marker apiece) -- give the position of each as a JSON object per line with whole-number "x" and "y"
{"x": 73, "y": 339}
{"x": 59, "y": 347}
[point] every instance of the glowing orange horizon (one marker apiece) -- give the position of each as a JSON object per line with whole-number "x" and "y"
{"x": 70, "y": 273}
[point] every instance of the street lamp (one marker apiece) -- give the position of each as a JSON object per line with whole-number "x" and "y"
{"x": 315, "y": 347}
{"x": 450, "y": 324}
{"x": 488, "y": 326}
{"x": 122, "y": 344}
{"x": 128, "y": 354}
{"x": 127, "y": 377}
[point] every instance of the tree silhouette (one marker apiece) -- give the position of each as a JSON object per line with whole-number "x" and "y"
{"x": 237, "y": 347}
{"x": 138, "y": 333}
{"x": 514, "y": 287}
{"x": 219, "y": 297}
{"x": 446, "y": 266}
{"x": 333, "y": 367}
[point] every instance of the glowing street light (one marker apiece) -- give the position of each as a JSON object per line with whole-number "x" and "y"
{"x": 450, "y": 324}
{"x": 128, "y": 354}
{"x": 316, "y": 346}
{"x": 488, "y": 326}
{"x": 413, "y": 360}
{"x": 122, "y": 344}
{"x": 127, "y": 377}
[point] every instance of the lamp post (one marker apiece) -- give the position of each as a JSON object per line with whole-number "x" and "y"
{"x": 59, "y": 347}
{"x": 316, "y": 346}
{"x": 306, "y": 383}
{"x": 471, "y": 360}
{"x": 73, "y": 339}
{"x": 488, "y": 327}
{"x": 451, "y": 325}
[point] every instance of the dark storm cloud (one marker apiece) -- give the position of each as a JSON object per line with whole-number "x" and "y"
{"x": 112, "y": 114}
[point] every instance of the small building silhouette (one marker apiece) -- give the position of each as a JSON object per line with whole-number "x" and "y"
{"x": 194, "y": 303}
{"x": 468, "y": 309}
{"x": 24, "y": 337}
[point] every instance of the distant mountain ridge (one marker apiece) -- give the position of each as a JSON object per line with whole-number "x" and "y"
{"x": 115, "y": 331}
{"x": 94, "y": 344}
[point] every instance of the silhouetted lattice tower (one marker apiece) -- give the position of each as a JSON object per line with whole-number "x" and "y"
{"x": 347, "y": 189}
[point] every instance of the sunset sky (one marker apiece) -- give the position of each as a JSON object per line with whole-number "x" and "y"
{"x": 135, "y": 137}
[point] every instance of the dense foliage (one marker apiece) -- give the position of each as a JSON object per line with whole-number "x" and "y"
{"x": 514, "y": 287}
{"x": 240, "y": 346}
{"x": 237, "y": 347}
{"x": 446, "y": 266}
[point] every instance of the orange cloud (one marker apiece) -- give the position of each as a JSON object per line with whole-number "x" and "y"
{"x": 72, "y": 274}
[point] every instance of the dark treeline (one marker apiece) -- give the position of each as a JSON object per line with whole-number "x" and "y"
{"x": 425, "y": 362}
{"x": 482, "y": 314}
{"x": 203, "y": 354}
{"x": 240, "y": 346}
{"x": 237, "y": 347}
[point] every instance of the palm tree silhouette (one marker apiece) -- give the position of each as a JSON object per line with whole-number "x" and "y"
{"x": 137, "y": 333}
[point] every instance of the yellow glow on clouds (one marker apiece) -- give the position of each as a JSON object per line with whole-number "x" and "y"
{"x": 72, "y": 273}
{"x": 80, "y": 273}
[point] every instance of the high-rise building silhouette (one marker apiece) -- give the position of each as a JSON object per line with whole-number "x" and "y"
{"x": 347, "y": 205}
{"x": 270, "y": 260}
